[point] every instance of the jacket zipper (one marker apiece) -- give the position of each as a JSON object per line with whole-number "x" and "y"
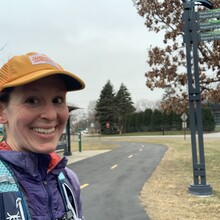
{"x": 45, "y": 183}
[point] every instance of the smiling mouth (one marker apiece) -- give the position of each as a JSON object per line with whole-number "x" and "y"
{"x": 43, "y": 130}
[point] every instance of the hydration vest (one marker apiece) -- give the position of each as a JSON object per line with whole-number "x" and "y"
{"x": 13, "y": 205}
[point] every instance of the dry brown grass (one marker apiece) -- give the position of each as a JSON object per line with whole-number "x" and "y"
{"x": 165, "y": 195}
{"x": 91, "y": 143}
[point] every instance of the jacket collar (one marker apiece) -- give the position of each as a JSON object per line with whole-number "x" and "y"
{"x": 32, "y": 162}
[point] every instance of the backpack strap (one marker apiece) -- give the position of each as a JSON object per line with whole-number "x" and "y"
{"x": 69, "y": 198}
{"x": 13, "y": 204}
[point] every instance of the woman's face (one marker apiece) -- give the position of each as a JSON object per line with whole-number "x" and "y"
{"x": 36, "y": 115}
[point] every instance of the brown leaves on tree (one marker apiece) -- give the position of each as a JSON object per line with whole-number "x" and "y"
{"x": 168, "y": 63}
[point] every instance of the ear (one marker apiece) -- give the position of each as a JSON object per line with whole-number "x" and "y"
{"x": 3, "y": 115}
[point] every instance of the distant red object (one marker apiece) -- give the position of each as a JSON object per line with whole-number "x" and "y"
{"x": 107, "y": 125}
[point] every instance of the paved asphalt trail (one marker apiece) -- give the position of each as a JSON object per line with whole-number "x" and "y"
{"x": 113, "y": 181}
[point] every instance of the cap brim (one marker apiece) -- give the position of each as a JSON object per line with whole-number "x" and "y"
{"x": 72, "y": 81}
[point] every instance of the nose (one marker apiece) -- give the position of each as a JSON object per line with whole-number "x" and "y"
{"x": 48, "y": 112}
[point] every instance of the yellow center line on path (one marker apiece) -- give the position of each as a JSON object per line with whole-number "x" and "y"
{"x": 84, "y": 186}
{"x": 130, "y": 156}
{"x": 113, "y": 167}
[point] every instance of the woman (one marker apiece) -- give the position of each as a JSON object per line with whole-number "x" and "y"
{"x": 34, "y": 113}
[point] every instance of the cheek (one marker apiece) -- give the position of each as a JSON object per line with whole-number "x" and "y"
{"x": 64, "y": 115}
{"x": 20, "y": 122}
{"x": 18, "y": 117}
{"x": 18, "y": 126}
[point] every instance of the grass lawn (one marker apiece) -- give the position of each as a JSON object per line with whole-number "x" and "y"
{"x": 165, "y": 195}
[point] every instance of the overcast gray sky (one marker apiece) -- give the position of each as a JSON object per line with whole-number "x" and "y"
{"x": 95, "y": 39}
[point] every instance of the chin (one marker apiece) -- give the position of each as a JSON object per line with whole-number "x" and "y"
{"x": 45, "y": 149}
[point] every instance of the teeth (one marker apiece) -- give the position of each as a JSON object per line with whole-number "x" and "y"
{"x": 44, "y": 131}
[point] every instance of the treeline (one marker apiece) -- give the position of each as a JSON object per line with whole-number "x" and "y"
{"x": 156, "y": 120}
{"x": 115, "y": 113}
{"x": 153, "y": 120}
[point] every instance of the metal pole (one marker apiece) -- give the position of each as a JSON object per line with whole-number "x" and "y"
{"x": 199, "y": 187}
{"x": 67, "y": 151}
{"x": 80, "y": 140}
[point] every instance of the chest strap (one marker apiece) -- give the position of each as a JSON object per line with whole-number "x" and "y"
{"x": 69, "y": 198}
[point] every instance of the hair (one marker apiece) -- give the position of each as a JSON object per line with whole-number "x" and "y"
{"x": 4, "y": 99}
{"x": 5, "y": 95}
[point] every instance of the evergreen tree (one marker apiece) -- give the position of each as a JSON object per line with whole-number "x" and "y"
{"x": 208, "y": 119}
{"x": 165, "y": 121}
{"x": 174, "y": 121}
{"x": 123, "y": 106}
{"x": 147, "y": 119}
{"x": 105, "y": 112}
{"x": 157, "y": 120}
{"x": 131, "y": 122}
{"x": 139, "y": 121}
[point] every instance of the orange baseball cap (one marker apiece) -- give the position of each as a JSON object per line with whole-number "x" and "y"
{"x": 20, "y": 70}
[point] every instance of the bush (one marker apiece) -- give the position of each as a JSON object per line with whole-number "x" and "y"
{"x": 208, "y": 119}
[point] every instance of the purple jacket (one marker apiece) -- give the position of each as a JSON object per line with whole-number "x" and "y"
{"x": 39, "y": 185}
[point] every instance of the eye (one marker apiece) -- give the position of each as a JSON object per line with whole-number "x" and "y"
{"x": 59, "y": 100}
{"x": 32, "y": 101}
